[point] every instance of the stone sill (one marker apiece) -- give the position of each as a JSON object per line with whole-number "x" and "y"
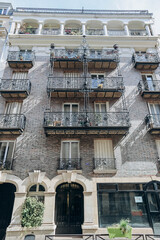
{"x": 69, "y": 171}
{"x": 6, "y": 171}
{"x": 104, "y": 171}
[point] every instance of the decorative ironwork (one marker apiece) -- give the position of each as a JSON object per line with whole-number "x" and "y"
{"x": 94, "y": 32}
{"x": 73, "y": 31}
{"x": 146, "y": 57}
{"x": 15, "y": 85}
{"x": 138, "y": 33}
{"x": 28, "y": 30}
{"x": 106, "y": 237}
{"x": 104, "y": 163}
{"x": 69, "y": 236}
{"x": 86, "y": 119}
{"x": 12, "y": 121}
{"x": 149, "y": 85}
{"x": 69, "y": 164}
{"x": 116, "y": 33}
{"x": 6, "y": 165}
{"x": 50, "y": 31}
{"x": 20, "y": 56}
{"x": 109, "y": 83}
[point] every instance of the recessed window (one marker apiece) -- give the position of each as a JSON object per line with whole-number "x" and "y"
{"x": 37, "y": 191}
{"x": 6, "y": 155}
{"x": 29, "y": 237}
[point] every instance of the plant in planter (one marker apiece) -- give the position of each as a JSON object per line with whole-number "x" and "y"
{"x": 123, "y": 229}
{"x": 32, "y": 213}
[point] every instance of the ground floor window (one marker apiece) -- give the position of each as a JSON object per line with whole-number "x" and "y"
{"x": 117, "y": 201}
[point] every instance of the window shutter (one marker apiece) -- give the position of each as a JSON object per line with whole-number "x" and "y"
{"x": 74, "y": 149}
{"x": 65, "y": 149}
{"x": 103, "y": 149}
{"x": 20, "y": 75}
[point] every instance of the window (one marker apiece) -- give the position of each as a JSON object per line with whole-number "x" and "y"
{"x": 148, "y": 82}
{"x": 13, "y": 108}
{"x": 97, "y": 80}
{"x": 6, "y": 154}
{"x": 103, "y": 154}
{"x": 37, "y": 191}
{"x": 20, "y": 75}
{"x": 101, "y": 107}
{"x": 115, "y": 204}
{"x": 29, "y": 237}
{"x": 70, "y": 149}
{"x": 100, "y": 113}
{"x": 155, "y": 113}
{"x": 70, "y": 113}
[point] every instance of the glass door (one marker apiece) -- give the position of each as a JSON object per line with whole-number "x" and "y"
{"x": 101, "y": 113}
{"x": 148, "y": 82}
{"x": 70, "y": 114}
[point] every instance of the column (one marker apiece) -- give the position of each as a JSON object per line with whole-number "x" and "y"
{"x": 40, "y": 28}
{"x": 83, "y": 29}
{"x": 12, "y": 27}
{"x": 18, "y": 27}
{"x": 62, "y": 29}
{"x": 49, "y": 209}
{"x": 105, "y": 29}
{"x": 126, "y": 29}
{"x": 147, "y": 30}
{"x": 152, "y": 30}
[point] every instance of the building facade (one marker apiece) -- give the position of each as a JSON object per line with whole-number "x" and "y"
{"x": 79, "y": 121}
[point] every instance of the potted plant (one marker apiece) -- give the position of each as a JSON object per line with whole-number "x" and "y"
{"x": 123, "y": 229}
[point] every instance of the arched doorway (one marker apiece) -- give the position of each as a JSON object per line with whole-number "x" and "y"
{"x": 152, "y": 192}
{"x": 69, "y": 214}
{"x": 7, "y": 191}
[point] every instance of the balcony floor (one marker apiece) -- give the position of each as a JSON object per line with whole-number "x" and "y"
{"x": 14, "y": 94}
{"x": 11, "y": 131}
{"x": 21, "y": 64}
{"x": 146, "y": 66}
{"x": 150, "y": 94}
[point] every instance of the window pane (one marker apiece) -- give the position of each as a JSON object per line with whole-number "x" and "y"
{"x": 130, "y": 186}
{"x": 65, "y": 150}
{"x": 33, "y": 188}
{"x": 74, "y": 108}
{"x": 74, "y": 150}
{"x": 41, "y": 188}
{"x": 29, "y": 237}
{"x": 2, "y": 150}
{"x": 103, "y": 107}
{"x": 152, "y": 201}
{"x": 10, "y": 151}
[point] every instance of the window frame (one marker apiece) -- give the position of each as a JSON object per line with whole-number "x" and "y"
{"x": 6, "y": 151}
{"x": 70, "y": 141}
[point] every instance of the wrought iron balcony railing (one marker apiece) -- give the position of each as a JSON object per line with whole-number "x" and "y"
{"x": 12, "y": 121}
{"x": 69, "y": 164}
{"x": 138, "y": 33}
{"x": 109, "y": 83}
{"x": 86, "y": 120}
{"x": 50, "y": 31}
{"x": 73, "y": 31}
{"x": 7, "y": 164}
{"x": 28, "y": 31}
{"x": 116, "y": 33}
{"x": 104, "y": 163}
{"x": 21, "y": 56}
{"x": 149, "y": 85}
{"x": 94, "y": 32}
{"x": 105, "y": 54}
{"x": 17, "y": 85}
{"x": 153, "y": 121}
{"x": 146, "y": 57}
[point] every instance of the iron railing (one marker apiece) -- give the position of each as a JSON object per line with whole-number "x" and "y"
{"x": 69, "y": 164}
{"x": 149, "y": 85}
{"x": 110, "y": 83}
{"x": 116, "y": 33}
{"x": 153, "y": 120}
{"x": 15, "y": 85}
{"x": 89, "y": 119}
{"x": 73, "y": 31}
{"x": 12, "y": 121}
{"x": 28, "y": 30}
{"x": 152, "y": 237}
{"x": 26, "y": 56}
{"x": 104, "y": 163}
{"x": 106, "y": 237}
{"x": 94, "y": 32}
{"x": 6, "y": 165}
{"x": 50, "y": 31}
{"x": 138, "y": 32}
{"x": 146, "y": 57}
{"x": 69, "y": 236}
{"x": 66, "y": 54}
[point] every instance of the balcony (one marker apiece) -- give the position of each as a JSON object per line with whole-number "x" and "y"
{"x": 6, "y": 165}
{"x": 109, "y": 87}
{"x": 15, "y": 88}
{"x": 138, "y": 32}
{"x": 73, "y": 31}
{"x": 69, "y": 164}
{"x": 116, "y": 33}
{"x": 72, "y": 59}
{"x": 28, "y": 30}
{"x": 50, "y": 31}
{"x": 86, "y": 123}
{"x": 146, "y": 61}
{"x": 149, "y": 89}
{"x": 21, "y": 59}
{"x": 13, "y": 124}
{"x": 153, "y": 123}
{"x": 104, "y": 165}
{"x": 94, "y": 32}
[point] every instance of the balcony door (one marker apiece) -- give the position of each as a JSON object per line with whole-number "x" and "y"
{"x": 6, "y": 155}
{"x": 70, "y": 111}
{"x": 97, "y": 80}
{"x": 155, "y": 113}
{"x": 70, "y": 155}
{"x": 148, "y": 82}
{"x": 13, "y": 108}
{"x": 101, "y": 110}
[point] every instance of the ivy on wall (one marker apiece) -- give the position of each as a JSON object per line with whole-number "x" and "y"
{"x": 32, "y": 213}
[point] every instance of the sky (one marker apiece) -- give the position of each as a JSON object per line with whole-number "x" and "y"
{"x": 151, "y": 5}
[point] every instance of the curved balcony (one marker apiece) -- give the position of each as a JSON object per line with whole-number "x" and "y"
{"x": 149, "y": 89}
{"x": 86, "y": 123}
{"x": 21, "y": 59}
{"x": 104, "y": 165}
{"x": 13, "y": 124}
{"x": 71, "y": 58}
{"x": 146, "y": 61}
{"x": 15, "y": 88}
{"x": 69, "y": 164}
{"x": 110, "y": 87}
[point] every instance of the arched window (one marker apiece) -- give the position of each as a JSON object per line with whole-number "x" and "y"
{"x": 29, "y": 237}
{"x": 37, "y": 191}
